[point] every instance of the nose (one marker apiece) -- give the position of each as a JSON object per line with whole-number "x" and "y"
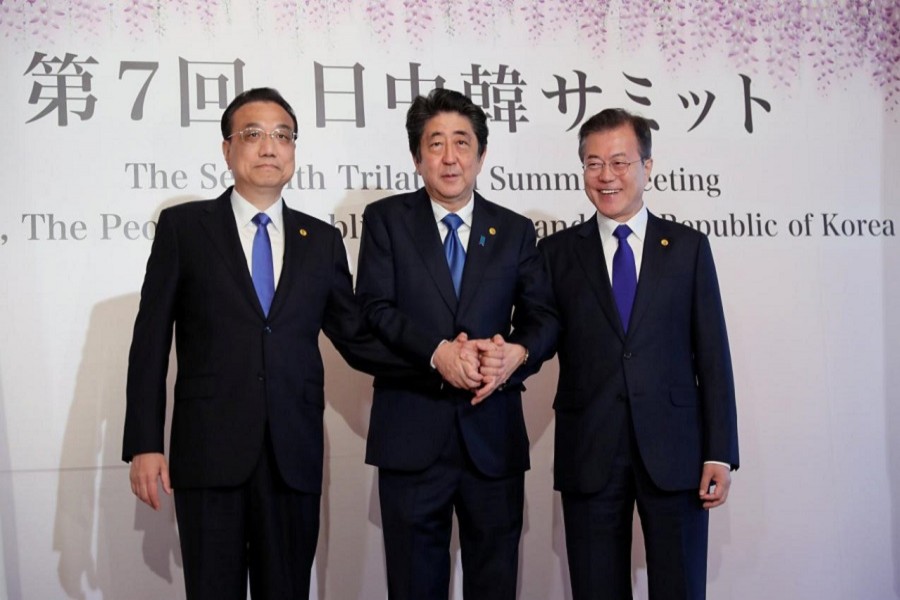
{"x": 267, "y": 145}
{"x": 449, "y": 156}
{"x": 606, "y": 173}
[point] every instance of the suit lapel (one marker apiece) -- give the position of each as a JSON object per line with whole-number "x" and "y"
{"x": 483, "y": 239}
{"x": 423, "y": 230}
{"x": 592, "y": 260}
{"x": 296, "y": 251}
{"x": 652, "y": 269}
{"x": 220, "y": 227}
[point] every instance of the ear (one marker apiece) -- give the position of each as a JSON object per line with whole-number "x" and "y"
{"x": 226, "y": 146}
{"x": 648, "y": 167}
{"x": 481, "y": 159}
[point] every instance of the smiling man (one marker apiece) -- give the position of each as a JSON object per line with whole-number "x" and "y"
{"x": 645, "y": 408}
{"x": 248, "y": 284}
{"x": 440, "y": 268}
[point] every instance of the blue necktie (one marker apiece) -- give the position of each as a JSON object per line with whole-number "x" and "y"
{"x": 624, "y": 275}
{"x": 453, "y": 249}
{"x": 262, "y": 271}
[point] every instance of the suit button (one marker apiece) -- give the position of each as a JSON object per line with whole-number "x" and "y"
{"x": 260, "y": 377}
{"x": 267, "y": 329}
{"x": 627, "y": 356}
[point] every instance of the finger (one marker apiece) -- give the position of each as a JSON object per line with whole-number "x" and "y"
{"x": 143, "y": 494}
{"x": 714, "y": 500}
{"x": 152, "y": 494}
{"x": 484, "y": 391}
{"x": 491, "y": 362}
{"x": 167, "y": 485}
{"x": 485, "y": 346}
{"x": 705, "y": 482}
{"x": 716, "y": 496}
{"x": 491, "y": 372}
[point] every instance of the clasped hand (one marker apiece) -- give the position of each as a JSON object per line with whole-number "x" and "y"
{"x": 480, "y": 366}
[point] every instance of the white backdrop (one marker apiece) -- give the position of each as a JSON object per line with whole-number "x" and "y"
{"x": 809, "y": 283}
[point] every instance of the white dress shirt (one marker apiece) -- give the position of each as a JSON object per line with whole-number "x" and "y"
{"x": 243, "y": 217}
{"x": 638, "y": 225}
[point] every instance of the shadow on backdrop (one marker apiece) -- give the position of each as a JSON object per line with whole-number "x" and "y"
{"x": 10, "y": 576}
{"x": 96, "y": 513}
{"x": 97, "y": 516}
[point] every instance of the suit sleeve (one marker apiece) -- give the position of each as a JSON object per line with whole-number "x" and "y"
{"x": 535, "y": 320}
{"x": 376, "y": 292}
{"x": 713, "y": 360}
{"x": 148, "y": 359}
{"x": 344, "y": 325}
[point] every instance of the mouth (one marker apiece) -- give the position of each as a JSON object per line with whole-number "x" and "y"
{"x": 609, "y": 192}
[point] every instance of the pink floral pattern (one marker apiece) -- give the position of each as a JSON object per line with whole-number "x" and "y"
{"x": 833, "y": 38}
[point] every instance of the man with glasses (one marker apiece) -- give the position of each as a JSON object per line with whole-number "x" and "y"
{"x": 248, "y": 283}
{"x": 645, "y": 408}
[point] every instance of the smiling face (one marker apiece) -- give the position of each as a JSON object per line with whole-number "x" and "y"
{"x": 618, "y": 197}
{"x": 449, "y": 162}
{"x": 261, "y": 168}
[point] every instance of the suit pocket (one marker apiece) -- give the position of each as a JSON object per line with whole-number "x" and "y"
{"x": 501, "y": 272}
{"x": 569, "y": 399}
{"x": 202, "y": 386}
{"x": 314, "y": 395}
{"x": 684, "y": 396}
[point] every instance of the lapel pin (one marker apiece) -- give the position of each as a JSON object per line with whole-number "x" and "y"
{"x": 492, "y": 231}
{"x": 664, "y": 242}
{"x": 481, "y": 241}
{"x": 303, "y": 232}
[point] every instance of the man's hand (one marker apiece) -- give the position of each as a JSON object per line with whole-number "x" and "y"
{"x": 457, "y": 362}
{"x": 498, "y": 362}
{"x": 714, "y": 485}
{"x": 146, "y": 470}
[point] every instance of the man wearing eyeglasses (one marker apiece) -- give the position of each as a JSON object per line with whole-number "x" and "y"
{"x": 645, "y": 408}
{"x": 248, "y": 283}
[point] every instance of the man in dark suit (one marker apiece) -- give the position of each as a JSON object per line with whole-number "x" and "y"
{"x": 453, "y": 438}
{"x": 645, "y": 409}
{"x": 248, "y": 284}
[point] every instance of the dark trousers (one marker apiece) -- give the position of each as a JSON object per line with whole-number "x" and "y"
{"x": 598, "y": 535}
{"x": 417, "y": 517}
{"x": 262, "y": 528}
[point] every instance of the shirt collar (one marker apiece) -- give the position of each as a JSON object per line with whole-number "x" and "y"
{"x": 637, "y": 223}
{"x": 465, "y": 213}
{"x": 244, "y": 211}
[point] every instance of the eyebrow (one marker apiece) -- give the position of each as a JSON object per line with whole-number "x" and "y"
{"x": 461, "y": 132}
{"x": 259, "y": 126}
{"x": 616, "y": 155}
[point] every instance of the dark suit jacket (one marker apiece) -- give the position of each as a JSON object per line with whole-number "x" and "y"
{"x": 407, "y": 295}
{"x": 672, "y": 371}
{"x": 239, "y": 371}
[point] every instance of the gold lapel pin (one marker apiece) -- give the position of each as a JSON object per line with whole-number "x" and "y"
{"x": 303, "y": 232}
{"x": 492, "y": 231}
{"x": 664, "y": 242}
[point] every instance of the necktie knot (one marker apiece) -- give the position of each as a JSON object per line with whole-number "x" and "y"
{"x": 261, "y": 220}
{"x": 453, "y": 221}
{"x": 622, "y": 232}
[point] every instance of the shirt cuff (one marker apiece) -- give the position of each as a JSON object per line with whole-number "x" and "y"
{"x": 431, "y": 362}
{"x": 716, "y": 462}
